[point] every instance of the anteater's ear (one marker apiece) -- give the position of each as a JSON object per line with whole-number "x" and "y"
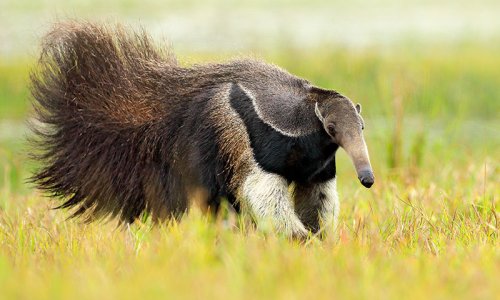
{"x": 358, "y": 108}
{"x": 318, "y": 113}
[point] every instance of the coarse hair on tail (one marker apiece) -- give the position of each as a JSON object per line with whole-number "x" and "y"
{"x": 99, "y": 122}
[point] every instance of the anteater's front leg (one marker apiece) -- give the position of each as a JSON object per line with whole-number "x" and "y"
{"x": 317, "y": 205}
{"x": 267, "y": 195}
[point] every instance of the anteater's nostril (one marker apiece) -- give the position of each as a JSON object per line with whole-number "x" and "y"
{"x": 367, "y": 179}
{"x": 367, "y": 182}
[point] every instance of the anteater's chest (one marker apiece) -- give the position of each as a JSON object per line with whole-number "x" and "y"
{"x": 307, "y": 159}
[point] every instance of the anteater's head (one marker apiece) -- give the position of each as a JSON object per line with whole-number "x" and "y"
{"x": 342, "y": 121}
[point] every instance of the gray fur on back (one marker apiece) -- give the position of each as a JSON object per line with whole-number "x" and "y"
{"x": 280, "y": 99}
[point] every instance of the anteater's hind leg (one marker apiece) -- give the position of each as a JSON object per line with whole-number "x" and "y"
{"x": 235, "y": 204}
{"x": 216, "y": 199}
{"x": 164, "y": 193}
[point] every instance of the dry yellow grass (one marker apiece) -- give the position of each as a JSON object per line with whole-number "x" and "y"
{"x": 402, "y": 239}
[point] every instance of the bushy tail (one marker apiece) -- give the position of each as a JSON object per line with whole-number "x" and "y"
{"x": 98, "y": 107}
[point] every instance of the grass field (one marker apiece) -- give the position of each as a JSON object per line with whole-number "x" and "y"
{"x": 429, "y": 227}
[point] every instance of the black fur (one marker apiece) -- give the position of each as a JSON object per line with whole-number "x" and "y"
{"x": 304, "y": 159}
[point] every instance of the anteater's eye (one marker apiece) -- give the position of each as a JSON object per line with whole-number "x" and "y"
{"x": 331, "y": 128}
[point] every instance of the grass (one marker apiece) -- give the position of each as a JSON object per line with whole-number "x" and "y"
{"x": 428, "y": 228}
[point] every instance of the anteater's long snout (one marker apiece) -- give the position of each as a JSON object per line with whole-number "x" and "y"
{"x": 356, "y": 148}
